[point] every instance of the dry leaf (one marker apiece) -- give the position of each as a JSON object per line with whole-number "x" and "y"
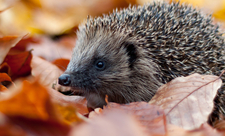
{"x": 77, "y": 101}
{"x": 5, "y": 68}
{"x": 173, "y": 130}
{"x": 24, "y": 43}
{"x": 31, "y": 109}
{"x": 61, "y": 63}
{"x": 205, "y": 130}
{"x": 30, "y": 101}
{"x": 188, "y": 101}
{"x": 46, "y": 71}
{"x": 20, "y": 126}
{"x": 2, "y": 88}
{"x": 6, "y": 43}
{"x": 113, "y": 123}
{"x": 5, "y": 77}
{"x": 19, "y": 64}
{"x": 151, "y": 117}
{"x": 68, "y": 112}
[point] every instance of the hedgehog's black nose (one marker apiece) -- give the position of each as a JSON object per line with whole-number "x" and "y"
{"x": 64, "y": 79}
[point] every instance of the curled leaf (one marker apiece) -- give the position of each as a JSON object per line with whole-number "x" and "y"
{"x": 188, "y": 101}
{"x": 5, "y": 77}
{"x": 19, "y": 64}
{"x": 6, "y": 43}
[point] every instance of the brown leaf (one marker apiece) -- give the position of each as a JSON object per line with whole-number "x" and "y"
{"x": 5, "y": 77}
{"x": 61, "y": 63}
{"x": 19, "y": 64}
{"x": 150, "y": 116}
{"x": 21, "y": 126}
{"x": 5, "y": 68}
{"x": 113, "y": 123}
{"x": 6, "y": 43}
{"x": 188, "y": 101}
{"x": 24, "y": 43}
{"x": 46, "y": 71}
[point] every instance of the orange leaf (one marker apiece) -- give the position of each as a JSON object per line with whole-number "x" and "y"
{"x": 5, "y": 77}
{"x": 188, "y": 101}
{"x": 19, "y": 64}
{"x": 31, "y": 109}
{"x": 61, "y": 63}
{"x": 6, "y": 43}
{"x": 2, "y": 88}
{"x": 68, "y": 112}
{"x": 30, "y": 101}
{"x": 78, "y": 101}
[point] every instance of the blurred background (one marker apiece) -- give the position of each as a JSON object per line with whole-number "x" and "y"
{"x": 58, "y": 17}
{"x": 49, "y": 26}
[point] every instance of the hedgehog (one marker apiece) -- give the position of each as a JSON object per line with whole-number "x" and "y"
{"x": 128, "y": 54}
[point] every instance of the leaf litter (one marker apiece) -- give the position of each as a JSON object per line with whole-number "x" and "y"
{"x": 30, "y": 106}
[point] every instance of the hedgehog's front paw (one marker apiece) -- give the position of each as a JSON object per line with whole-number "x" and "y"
{"x": 95, "y": 101}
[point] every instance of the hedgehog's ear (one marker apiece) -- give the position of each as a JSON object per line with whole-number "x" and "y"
{"x": 131, "y": 52}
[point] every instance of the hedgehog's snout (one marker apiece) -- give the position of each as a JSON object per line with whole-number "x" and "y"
{"x": 64, "y": 80}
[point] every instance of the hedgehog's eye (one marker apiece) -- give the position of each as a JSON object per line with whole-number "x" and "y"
{"x": 100, "y": 65}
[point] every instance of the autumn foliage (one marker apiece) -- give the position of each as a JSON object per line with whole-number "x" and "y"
{"x": 36, "y": 42}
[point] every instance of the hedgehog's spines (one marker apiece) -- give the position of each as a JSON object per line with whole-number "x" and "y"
{"x": 178, "y": 38}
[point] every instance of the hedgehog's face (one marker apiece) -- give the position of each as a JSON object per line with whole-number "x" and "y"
{"x": 100, "y": 66}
